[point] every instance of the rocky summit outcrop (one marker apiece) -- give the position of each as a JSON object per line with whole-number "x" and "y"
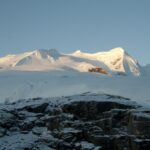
{"x": 80, "y": 122}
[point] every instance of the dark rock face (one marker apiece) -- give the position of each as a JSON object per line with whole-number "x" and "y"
{"x": 98, "y": 70}
{"x": 37, "y": 108}
{"x": 139, "y": 123}
{"x": 79, "y": 125}
{"x": 92, "y": 110}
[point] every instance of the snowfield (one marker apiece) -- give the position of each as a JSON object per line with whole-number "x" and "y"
{"x": 16, "y": 85}
{"x": 48, "y": 73}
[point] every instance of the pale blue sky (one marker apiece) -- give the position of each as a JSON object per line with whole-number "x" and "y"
{"x": 89, "y": 25}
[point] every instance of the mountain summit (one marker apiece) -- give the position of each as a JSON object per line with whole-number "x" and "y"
{"x": 40, "y": 56}
{"x": 115, "y": 61}
{"x": 45, "y": 54}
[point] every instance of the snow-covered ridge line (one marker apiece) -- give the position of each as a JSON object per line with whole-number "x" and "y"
{"x": 114, "y": 61}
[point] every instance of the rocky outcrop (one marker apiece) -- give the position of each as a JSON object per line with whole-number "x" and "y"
{"x": 139, "y": 123}
{"x": 98, "y": 70}
{"x": 92, "y": 110}
{"x": 39, "y": 124}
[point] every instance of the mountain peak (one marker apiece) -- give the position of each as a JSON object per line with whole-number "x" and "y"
{"x": 77, "y": 52}
{"x": 118, "y": 50}
{"x": 117, "y": 59}
{"x": 54, "y": 52}
{"x": 44, "y": 53}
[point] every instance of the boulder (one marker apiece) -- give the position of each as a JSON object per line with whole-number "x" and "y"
{"x": 139, "y": 123}
{"x": 37, "y": 108}
{"x": 92, "y": 110}
{"x": 7, "y": 119}
{"x": 140, "y": 144}
{"x": 2, "y": 131}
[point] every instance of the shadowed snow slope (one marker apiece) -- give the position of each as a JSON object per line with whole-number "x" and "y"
{"x": 16, "y": 85}
{"x": 114, "y": 61}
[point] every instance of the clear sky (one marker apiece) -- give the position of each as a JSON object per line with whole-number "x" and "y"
{"x": 67, "y": 25}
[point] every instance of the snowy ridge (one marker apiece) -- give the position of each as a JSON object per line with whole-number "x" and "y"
{"x": 116, "y": 60}
{"x": 113, "y": 61}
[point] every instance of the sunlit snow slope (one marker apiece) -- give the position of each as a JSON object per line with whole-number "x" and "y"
{"x": 116, "y": 60}
{"x": 113, "y": 61}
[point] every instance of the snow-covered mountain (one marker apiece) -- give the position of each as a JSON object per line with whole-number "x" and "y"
{"x": 48, "y": 73}
{"x": 113, "y": 61}
{"x": 116, "y": 60}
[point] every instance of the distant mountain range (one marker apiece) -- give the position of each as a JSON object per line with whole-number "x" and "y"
{"x": 115, "y": 61}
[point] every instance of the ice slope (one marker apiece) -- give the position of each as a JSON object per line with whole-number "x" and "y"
{"x": 16, "y": 85}
{"x": 113, "y": 61}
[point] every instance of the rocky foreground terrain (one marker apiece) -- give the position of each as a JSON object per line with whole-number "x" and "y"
{"x": 79, "y": 122}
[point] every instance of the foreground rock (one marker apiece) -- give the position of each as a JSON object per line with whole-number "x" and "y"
{"x": 80, "y": 122}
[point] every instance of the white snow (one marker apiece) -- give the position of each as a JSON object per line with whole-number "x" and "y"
{"x": 48, "y": 73}
{"x": 16, "y": 85}
{"x": 17, "y": 141}
{"x": 87, "y": 145}
{"x": 115, "y": 60}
